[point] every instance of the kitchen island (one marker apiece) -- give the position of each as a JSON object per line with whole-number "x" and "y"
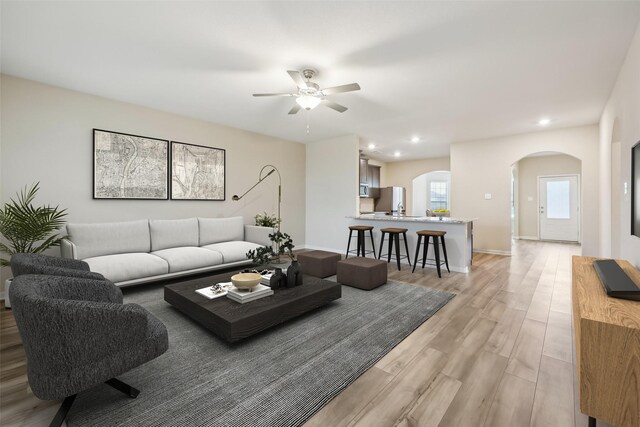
{"x": 459, "y": 237}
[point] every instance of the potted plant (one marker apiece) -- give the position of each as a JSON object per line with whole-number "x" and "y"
{"x": 27, "y": 228}
{"x": 266, "y": 220}
{"x": 266, "y": 254}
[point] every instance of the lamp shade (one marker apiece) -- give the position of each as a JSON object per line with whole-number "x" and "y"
{"x": 308, "y": 102}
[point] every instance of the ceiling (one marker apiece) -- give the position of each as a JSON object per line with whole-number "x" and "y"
{"x": 441, "y": 71}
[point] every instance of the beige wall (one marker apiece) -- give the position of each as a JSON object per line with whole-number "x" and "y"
{"x": 332, "y": 191}
{"x": 46, "y": 136}
{"x": 401, "y": 174}
{"x": 529, "y": 169}
{"x": 620, "y": 123}
{"x": 480, "y": 167}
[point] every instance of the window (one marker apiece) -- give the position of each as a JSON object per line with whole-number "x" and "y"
{"x": 439, "y": 195}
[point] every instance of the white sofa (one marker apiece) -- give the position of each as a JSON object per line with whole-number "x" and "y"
{"x": 134, "y": 252}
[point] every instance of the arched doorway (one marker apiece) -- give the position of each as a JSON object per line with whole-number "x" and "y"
{"x": 546, "y": 197}
{"x": 431, "y": 190}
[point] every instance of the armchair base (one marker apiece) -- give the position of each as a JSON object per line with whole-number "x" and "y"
{"x": 61, "y": 415}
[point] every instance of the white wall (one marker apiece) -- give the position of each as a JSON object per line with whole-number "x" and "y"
{"x": 47, "y": 136}
{"x": 622, "y": 111}
{"x": 331, "y": 191}
{"x": 529, "y": 169}
{"x": 479, "y": 167}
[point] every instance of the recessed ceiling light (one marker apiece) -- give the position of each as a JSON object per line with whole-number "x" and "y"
{"x": 544, "y": 121}
{"x": 415, "y": 139}
{"x": 397, "y": 154}
{"x": 372, "y": 146}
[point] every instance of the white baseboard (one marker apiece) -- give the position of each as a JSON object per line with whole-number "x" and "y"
{"x": 492, "y": 252}
{"x": 526, "y": 237}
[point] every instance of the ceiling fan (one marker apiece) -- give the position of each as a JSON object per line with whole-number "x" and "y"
{"x": 309, "y": 94}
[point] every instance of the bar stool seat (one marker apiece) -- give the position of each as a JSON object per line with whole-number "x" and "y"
{"x": 360, "y": 247}
{"x": 394, "y": 238}
{"x": 428, "y": 234}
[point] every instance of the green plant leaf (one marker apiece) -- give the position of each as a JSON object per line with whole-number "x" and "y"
{"x": 28, "y": 228}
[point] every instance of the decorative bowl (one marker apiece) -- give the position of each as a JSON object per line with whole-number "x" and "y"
{"x": 246, "y": 280}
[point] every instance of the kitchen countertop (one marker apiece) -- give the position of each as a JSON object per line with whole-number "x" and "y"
{"x": 409, "y": 218}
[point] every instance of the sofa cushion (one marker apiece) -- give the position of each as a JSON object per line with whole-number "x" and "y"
{"x": 233, "y": 251}
{"x": 93, "y": 240}
{"x": 216, "y": 230}
{"x": 188, "y": 258}
{"x": 123, "y": 267}
{"x": 173, "y": 233}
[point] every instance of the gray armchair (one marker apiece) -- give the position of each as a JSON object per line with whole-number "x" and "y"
{"x": 27, "y": 263}
{"x": 77, "y": 333}
{"x": 54, "y": 266}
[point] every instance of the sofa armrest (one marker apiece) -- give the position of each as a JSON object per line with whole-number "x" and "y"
{"x": 68, "y": 249}
{"x": 257, "y": 234}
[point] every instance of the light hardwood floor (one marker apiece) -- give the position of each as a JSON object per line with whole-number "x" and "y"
{"x": 499, "y": 354}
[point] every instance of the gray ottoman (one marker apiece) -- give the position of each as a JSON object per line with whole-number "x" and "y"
{"x": 363, "y": 273}
{"x": 319, "y": 263}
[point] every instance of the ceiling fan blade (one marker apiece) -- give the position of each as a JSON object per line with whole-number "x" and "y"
{"x": 298, "y": 79}
{"x": 294, "y": 109}
{"x": 339, "y": 108}
{"x": 273, "y": 94}
{"x": 338, "y": 89}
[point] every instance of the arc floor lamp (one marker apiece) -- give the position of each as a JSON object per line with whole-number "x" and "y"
{"x": 260, "y": 179}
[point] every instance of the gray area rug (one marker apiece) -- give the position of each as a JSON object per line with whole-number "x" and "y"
{"x": 279, "y": 377}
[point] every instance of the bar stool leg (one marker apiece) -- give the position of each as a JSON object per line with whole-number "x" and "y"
{"x": 381, "y": 243}
{"x": 397, "y": 239}
{"x": 359, "y": 249}
{"x": 348, "y": 244}
{"x": 425, "y": 250}
{"x": 390, "y": 248}
{"x": 444, "y": 249}
{"x": 373, "y": 244}
{"x": 437, "y": 249}
{"x": 406, "y": 248}
{"x": 415, "y": 260}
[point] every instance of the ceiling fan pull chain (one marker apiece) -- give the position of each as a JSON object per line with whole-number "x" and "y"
{"x": 308, "y": 130}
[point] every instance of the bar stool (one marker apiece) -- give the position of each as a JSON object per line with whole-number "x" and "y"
{"x": 394, "y": 236}
{"x": 360, "y": 248}
{"x": 428, "y": 234}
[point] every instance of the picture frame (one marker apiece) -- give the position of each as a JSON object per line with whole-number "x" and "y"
{"x": 129, "y": 167}
{"x": 197, "y": 172}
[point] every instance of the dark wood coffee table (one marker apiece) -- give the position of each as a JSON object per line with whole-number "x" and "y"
{"x": 233, "y": 321}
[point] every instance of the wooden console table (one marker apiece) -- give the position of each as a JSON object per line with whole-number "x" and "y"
{"x": 607, "y": 334}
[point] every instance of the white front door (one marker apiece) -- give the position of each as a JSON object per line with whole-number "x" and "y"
{"x": 559, "y": 207}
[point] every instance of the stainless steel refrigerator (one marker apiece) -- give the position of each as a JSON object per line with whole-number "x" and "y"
{"x": 392, "y": 200}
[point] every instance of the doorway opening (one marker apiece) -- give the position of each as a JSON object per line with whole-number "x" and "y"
{"x": 431, "y": 191}
{"x": 546, "y": 197}
{"x": 558, "y": 198}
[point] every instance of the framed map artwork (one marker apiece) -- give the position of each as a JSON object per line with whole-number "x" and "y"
{"x": 129, "y": 166}
{"x": 197, "y": 172}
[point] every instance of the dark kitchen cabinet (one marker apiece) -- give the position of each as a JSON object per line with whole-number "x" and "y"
{"x": 364, "y": 171}
{"x": 373, "y": 176}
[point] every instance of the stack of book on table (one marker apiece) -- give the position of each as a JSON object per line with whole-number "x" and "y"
{"x": 242, "y": 296}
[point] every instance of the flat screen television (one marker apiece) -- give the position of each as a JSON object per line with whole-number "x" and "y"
{"x": 635, "y": 190}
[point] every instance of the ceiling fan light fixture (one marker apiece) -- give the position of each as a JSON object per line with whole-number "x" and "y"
{"x": 308, "y": 102}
